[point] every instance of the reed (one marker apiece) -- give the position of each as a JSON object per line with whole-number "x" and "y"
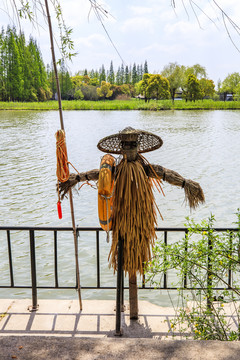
{"x": 133, "y": 104}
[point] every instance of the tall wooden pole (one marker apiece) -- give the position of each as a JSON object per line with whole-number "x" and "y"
{"x": 62, "y": 127}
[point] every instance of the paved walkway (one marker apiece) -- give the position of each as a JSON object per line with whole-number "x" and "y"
{"x": 97, "y": 319}
{"x": 58, "y": 330}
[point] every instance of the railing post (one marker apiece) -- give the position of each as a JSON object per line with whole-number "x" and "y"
{"x": 165, "y": 259}
{"x": 55, "y": 259}
{"x": 230, "y": 262}
{"x": 118, "y": 331}
{"x": 186, "y": 251}
{"x": 34, "y": 306}
{"x": 98, "y": 259}
{"x": 10, "y": 258}
{"x": 209, "y": 271}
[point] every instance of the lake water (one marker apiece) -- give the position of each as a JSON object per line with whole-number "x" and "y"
{"x": 201, "y": 145}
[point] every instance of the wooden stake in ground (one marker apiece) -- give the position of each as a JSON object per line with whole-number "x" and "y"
{"x": 62, "y": 128}
{"x": 134, "y": 209}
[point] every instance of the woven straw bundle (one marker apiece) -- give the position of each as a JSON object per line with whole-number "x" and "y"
{"x": 134, "y": 217}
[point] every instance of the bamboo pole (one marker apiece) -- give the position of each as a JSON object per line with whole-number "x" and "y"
{"x": 62, "y": 127}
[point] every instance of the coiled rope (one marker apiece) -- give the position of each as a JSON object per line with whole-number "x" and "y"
{"x": 63, "y": 172}
{"x": 62, "y": 160}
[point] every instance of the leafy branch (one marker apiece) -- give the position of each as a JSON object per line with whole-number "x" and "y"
{"x": 205, "y": 257}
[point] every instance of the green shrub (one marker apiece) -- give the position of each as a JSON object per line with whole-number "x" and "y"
{"x": 204, "y": 257}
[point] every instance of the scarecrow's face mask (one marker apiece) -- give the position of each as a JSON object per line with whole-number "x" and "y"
{"x": 130, "y": 149}
{"x": 129, "y": 145}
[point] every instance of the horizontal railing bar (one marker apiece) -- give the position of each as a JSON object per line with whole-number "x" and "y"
{"x": 107, "y": 288}
{"x": 44, "y": 228}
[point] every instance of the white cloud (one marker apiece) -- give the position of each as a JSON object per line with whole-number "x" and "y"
{"x": 189, "y": 33}
{"x": 141, "y": 10}
{"x": 79, "y": 12}
{"x": 136, "y": 24}
{"x": 91, "y": 41}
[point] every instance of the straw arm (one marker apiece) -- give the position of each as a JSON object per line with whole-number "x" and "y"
{"x": 64, "y": 187}
{"x": 193, "y": 192}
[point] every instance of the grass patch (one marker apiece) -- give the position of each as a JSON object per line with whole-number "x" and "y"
{"x": 133, "y": 104}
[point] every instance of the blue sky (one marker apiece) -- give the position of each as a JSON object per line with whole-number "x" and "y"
{"x": 148, "y": 30}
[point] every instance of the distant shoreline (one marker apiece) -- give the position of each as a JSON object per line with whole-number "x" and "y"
{"x": 133, "y": 104}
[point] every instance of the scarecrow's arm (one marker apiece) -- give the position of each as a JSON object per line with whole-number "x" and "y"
{"x": 64, "y": 187}
{"x": 193, "y": 192}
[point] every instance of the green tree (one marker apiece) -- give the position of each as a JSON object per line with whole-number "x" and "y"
{"x": 14, "y": 69}
{"x": 176, "y": 77}
{"x": 145, "y": 68}
{"x": 118, "y": 77}
{"x": 192, "y": 91}
{"x": 92, "y": 74}
{"x": 65, "y": 82}
{"x": 157, "y": 87}
{"x": 207, "y": 87}
{"x": 94, "y": 78}
{"x": 126, "y": 75}
{"x": 142, "y": 86}
{"x": 78, "y": 95}
{"x": 102, "y": 74}
{"x": 141, "y": 72}
{"x": 3, "y": 67}
{"x": 237, "y": 92}
{"x": 39, "y": 85}
{"x": 94, "y": 81}
{"x": 118, "y": 90}
{"x": 26, "y": 63}
{"x": 111, "y": 76}
{"x": 90, "y": 92}
{"x": 122, "y": 75}
{"x": 104, "y": 90}
{"x": 52, "y": 81}
{"x": 134, "y": 75}
{"x": 139, "y": 75}
{"x": 230, "y": 84}
{"x": 77, "y": 81}
{"x": 197, "y": 70}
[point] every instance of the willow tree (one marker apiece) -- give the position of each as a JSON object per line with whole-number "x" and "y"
{"x": 176, "y": 77}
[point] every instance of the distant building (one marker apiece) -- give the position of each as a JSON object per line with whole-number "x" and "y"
{"x": 226, "y": 97}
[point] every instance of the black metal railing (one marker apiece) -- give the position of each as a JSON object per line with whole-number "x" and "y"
{"x": 55, "y": 230}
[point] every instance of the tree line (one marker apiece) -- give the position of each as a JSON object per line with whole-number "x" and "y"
{"x": 175, "y": 81}
{"x": 96, "y": 84}
{"x": 24, "y": 77}
{"x": 136, "y": 81}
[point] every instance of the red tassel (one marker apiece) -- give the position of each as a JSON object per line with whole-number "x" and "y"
{"x": 59, "y": 209}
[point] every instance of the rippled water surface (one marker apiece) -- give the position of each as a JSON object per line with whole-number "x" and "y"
{"x": 200, "y": 145}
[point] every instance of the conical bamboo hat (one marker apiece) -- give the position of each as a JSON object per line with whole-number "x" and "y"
{"x": 145, "y": 140}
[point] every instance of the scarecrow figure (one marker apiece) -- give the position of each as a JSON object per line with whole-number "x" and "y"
{"x": 134, "y": 211}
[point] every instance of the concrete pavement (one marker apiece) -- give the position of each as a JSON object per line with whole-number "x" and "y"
{"x": 58, "y": 330}
{"x": 97, "y": 319}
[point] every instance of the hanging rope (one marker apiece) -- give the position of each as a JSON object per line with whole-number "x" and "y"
{"x": 62, "y": 160}
{"x": 62, "y": 172}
